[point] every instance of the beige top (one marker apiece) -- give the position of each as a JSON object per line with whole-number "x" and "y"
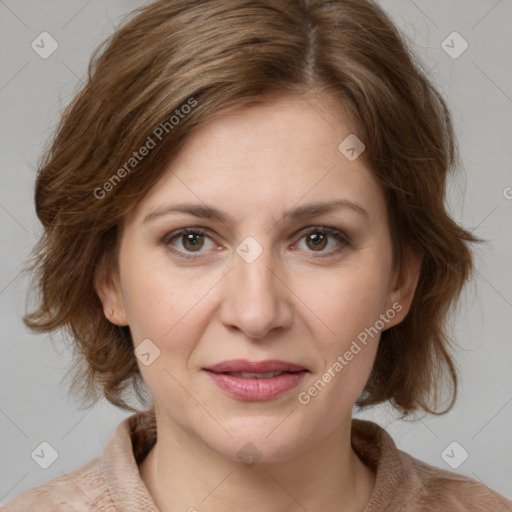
{"x": 112, "y": 482}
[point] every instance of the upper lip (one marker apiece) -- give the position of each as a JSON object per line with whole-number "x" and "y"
{"x": 242, "y": 365}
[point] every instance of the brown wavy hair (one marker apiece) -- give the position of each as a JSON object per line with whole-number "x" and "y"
{"x": 222, "y": 56}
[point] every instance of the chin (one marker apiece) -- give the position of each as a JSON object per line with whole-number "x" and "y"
{"x": 264, "y": 439}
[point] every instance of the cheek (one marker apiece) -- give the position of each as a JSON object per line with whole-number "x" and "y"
{"x": 347, "y": 349}
{"x": 349, "y": 303}
{"x": 348, "y": 299}
{"x": 169, "y": 317}
{"x": 159, "y": 302}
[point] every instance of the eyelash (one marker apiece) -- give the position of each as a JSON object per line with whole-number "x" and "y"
{"x": 335, "y": 233}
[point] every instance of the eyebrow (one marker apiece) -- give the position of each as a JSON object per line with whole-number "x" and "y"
{"x": 208, "y": 212}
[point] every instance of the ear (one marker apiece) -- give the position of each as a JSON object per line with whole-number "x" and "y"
{"x": 107, "y": 286}
{"x": 403, "y": 285}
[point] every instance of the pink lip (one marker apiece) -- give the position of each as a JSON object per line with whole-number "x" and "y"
{"x": 253, "y": 389}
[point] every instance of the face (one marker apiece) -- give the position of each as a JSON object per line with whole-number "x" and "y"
{"x": 259, "y": 277}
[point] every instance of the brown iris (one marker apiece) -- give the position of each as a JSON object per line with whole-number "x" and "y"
{"x": 319, "y": 240}
{"x": 195, "y": 241}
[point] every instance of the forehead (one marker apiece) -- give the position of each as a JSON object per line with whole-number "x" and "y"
{"x": 266, "y": 158}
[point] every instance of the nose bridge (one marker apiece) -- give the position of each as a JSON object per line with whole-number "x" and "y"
{"x": 255, "y": 302}
{"x": 252, "y": 269}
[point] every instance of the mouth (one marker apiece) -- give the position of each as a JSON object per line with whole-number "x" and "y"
{"x": 256, "y": 381}
{"x": 265, "y": 368}
{"x": 253, "y": 375}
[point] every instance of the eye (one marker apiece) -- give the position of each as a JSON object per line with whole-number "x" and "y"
{"x": 317, "y": 239}
{"x": 192, "y": 240}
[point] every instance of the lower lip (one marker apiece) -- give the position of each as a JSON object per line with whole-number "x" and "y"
{"x": 256, "y": 389}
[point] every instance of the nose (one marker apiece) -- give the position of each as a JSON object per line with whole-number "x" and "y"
{"x": 256, "y": 299}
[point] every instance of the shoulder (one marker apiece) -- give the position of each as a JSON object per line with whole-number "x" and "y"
{"x": 37, "y": 499}
{"x": 438, "y": 489}
{"x": 82, "y": 489}
{"x": 108, "y": 483}
{"x": 406, "y": 484}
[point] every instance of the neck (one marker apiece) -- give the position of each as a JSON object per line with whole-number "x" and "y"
{"x": 182, "y": 473}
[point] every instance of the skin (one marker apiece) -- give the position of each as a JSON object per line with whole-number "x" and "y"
{"x": 295, "y": 302}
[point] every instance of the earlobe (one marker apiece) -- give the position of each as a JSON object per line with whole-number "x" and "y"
{"x": 405, "y": 283}
{"x": 106, "y": 284}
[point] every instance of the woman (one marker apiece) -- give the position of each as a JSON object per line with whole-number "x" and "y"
{"x": 244, "y": 215}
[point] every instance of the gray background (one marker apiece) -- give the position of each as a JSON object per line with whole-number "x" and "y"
{"x": 34, "y": 403}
